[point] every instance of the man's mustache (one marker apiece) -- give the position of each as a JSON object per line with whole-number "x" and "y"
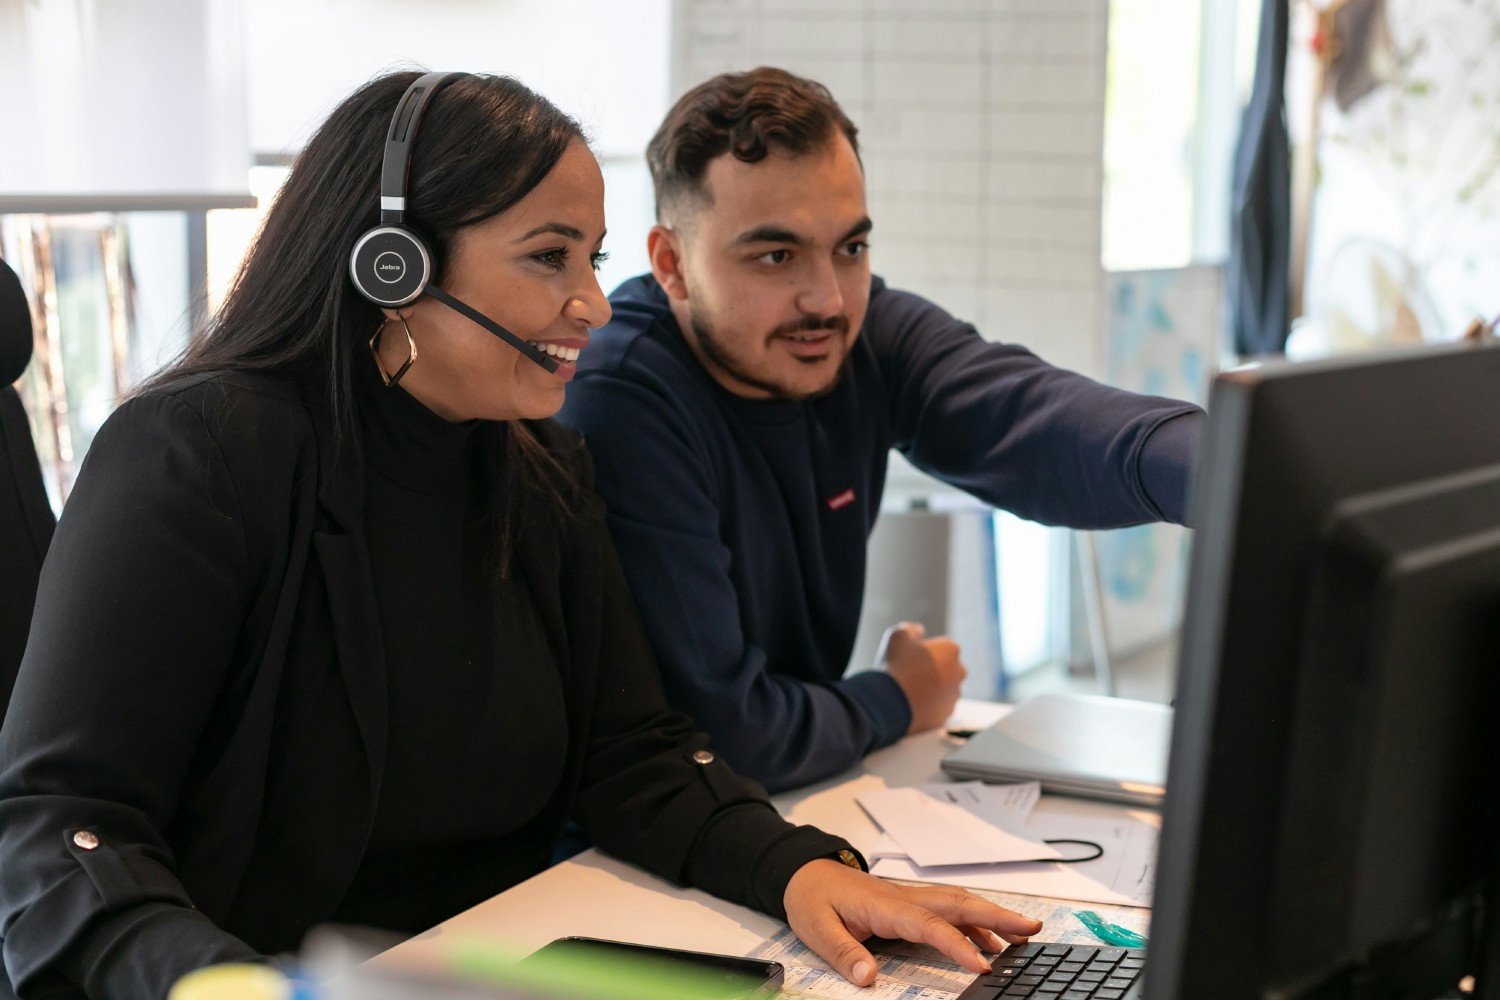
{"x": 808, "y": 324}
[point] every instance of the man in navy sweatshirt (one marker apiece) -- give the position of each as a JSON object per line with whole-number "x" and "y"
{"x": 741, "y": 406}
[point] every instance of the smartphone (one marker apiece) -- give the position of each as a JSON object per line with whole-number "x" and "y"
{"x": 684, "y": 974}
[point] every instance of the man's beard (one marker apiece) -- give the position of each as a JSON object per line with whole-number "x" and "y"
{"x": 715, "y": 350}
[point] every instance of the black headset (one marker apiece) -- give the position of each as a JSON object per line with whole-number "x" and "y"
{"x": 391, "y": 265}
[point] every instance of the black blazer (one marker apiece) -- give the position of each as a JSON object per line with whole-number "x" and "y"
{"x": 191, "y": 763}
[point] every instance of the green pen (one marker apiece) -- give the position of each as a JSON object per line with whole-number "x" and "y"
{"x": 1113, "y": 934}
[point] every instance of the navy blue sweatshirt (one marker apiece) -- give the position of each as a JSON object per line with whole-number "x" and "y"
{"x": 742, "y": 524}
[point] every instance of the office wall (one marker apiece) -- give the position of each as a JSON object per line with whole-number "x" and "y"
{"x": 122, "y": 97}
{"x": 603, "y": 62}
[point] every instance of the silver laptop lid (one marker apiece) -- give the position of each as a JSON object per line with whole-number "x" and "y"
{"x": 1108, "y": 748}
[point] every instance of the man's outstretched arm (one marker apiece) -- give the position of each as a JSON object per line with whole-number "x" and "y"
{"x": 1047, "y": 444}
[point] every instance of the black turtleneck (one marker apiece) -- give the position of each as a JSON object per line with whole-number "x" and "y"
{"x": 474, "y": 686}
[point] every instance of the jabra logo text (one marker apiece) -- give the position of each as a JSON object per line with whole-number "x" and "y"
{"x": 390, "y": 261}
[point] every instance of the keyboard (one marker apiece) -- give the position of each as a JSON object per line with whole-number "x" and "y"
{"x": 1061, "y": 972}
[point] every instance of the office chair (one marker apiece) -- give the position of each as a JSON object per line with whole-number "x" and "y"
{"x": 26, "y": 519}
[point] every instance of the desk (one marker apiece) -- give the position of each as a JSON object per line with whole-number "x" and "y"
{"x": 595, "y": 895}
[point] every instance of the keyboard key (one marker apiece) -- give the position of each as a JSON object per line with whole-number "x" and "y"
{"x": 1038, "y": 971}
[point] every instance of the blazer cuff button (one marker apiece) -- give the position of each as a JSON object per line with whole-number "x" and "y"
{"x": 86, "y": 840}
{"x": 703, "y": 757}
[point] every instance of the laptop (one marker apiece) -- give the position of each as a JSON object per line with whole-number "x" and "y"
{"x": 1075, "y": 744}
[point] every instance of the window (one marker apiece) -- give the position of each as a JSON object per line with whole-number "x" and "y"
{"x": 1179, "y": 75}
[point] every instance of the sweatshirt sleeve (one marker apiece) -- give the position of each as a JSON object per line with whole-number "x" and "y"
{"x": 138, "y": 610}
{"x": 1047, "y": 444}
{"x": 657, "y": 476}
{"x": 655, "y": 793}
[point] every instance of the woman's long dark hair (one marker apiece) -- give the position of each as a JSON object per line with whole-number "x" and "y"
{"x": 483, "y": 144}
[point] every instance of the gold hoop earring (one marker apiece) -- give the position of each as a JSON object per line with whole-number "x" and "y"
{"x": 391, "y": 380}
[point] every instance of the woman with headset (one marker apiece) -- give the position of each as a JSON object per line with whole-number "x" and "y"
{"x": 332, "y": 629}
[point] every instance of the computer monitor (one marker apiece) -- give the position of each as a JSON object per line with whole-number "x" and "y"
{"x": 1329, "y": 827}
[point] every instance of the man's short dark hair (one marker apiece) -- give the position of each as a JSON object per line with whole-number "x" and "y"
{"x": 746, "y": 115}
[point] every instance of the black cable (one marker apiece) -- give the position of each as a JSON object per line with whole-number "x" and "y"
{"x": 1098, "y": 851}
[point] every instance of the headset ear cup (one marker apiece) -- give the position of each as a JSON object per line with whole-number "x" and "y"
{"x": 390, "y": 266}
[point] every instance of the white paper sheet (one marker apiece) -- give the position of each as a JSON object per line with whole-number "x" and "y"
{"x": 1123, "y": 875}
{"x": 1005, "y": 806}
{"x": 934, "y": 832}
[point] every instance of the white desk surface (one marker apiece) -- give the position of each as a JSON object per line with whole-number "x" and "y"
{"x": 595, "y": 895}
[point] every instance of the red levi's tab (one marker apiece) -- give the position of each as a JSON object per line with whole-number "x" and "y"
{"x": 841, "y": 501}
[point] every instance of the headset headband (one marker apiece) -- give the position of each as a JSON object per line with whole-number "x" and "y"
{"x": 399, "y": 141}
